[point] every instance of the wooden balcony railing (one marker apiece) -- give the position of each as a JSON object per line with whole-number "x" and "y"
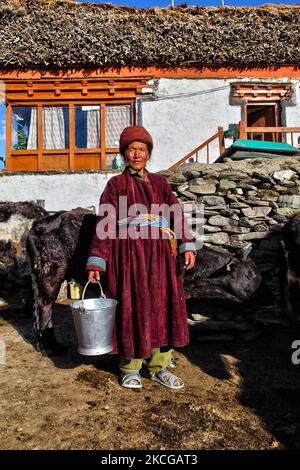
{"x": 274, "y": 134}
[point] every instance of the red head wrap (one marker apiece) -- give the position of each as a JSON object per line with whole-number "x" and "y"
{"x": 132, "y": 134}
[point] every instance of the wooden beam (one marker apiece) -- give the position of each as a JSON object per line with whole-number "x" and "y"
{"x": 8, "y": 162}
{"x": 40, "y": 124}
{"x": 288, "y": 71}
{"x": 221, "y": 140}
{"x": 71, "y": 136}
{"x": 242, "y": 130}
{"x": 102, "y": 162}
{"x": 266, "y": 130}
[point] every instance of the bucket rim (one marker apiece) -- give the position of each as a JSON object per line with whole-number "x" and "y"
{"x": 80, "y": 304}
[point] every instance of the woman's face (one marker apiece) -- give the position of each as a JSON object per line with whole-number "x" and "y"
{"x": 137, "y": 155}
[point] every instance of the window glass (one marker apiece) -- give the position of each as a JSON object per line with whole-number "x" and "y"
{"x": 87, "y": 127}
{"x": 55, "y": 127}
{"x": 117, "y": 118}
{"x": 24, "y": 127}
{"x": 115, "y": 161}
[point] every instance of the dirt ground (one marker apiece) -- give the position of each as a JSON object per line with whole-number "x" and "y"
{"x": 238, "y": 395}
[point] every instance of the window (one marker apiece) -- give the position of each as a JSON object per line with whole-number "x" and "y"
{"x": 117, "y": 118}
{"x": 112, "y": 160}
{"x": 70, "y": 136}
{"x": 55, "y": 127}
{"x": 87, "y": 127}
{"x": 69, "y": 120}
{"x": 24, "y": 127}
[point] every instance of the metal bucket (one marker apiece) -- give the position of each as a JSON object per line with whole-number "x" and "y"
{"x": 94, "y": 320}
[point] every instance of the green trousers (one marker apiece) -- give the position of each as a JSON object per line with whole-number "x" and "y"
{"x": 157, "y": 361}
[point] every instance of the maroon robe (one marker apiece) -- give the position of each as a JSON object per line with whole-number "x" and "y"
{"x": 143, "y": 274}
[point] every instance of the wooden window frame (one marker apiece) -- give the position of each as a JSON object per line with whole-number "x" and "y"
{"x": 66, "y": 158}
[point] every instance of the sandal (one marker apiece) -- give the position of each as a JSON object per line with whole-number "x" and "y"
{"x": 130, "y": 380}
{"x": 164, "y": 377}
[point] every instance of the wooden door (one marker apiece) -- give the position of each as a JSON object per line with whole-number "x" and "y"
{"x": 263, "y": 115}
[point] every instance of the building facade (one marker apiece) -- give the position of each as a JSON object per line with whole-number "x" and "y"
{"x": 74, "y": 75}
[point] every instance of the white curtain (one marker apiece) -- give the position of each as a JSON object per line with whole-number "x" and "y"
{"x": 117, "y": 118}
{"x": 53, "y": 127}
{"x": 32, "y": 133}
{"x": 93, "y": 128}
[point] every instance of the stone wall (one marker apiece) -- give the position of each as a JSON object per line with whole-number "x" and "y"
{"x": 245, "y": 205}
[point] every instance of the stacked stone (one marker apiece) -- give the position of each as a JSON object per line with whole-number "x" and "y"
{"x": 245, "y": 205}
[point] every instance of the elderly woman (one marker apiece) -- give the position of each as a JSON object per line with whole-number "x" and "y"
{"x": 143, "y": 273}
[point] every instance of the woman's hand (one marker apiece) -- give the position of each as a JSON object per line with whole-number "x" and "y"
{"x": 94, "y": 276}
{"x": 189, "y": 259}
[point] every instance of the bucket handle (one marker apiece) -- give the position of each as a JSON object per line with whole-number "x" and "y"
{"x": 102, "y": 294}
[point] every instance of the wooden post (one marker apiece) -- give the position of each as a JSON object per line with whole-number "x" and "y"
{"x": 221, "y": 140}
{"x": 71, "y": 135}
{"x": 102, "y": 162}
{"x": 242, "y": 130}
{"x": 284, "y": 137}
{"x": 8, "y": 161}
{"x": 40, "y": 143}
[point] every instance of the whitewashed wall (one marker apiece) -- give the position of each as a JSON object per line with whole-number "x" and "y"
{"x": 183, "y": 113}
{"x": 291, "y": 113}
{"x": 59, "y": 191}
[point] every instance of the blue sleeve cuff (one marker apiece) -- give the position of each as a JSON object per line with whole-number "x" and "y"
{"x": 95, "y": 261}
{"x": 188, "y": 246}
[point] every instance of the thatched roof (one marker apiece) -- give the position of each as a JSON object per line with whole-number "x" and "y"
{"x": 64, "y": 33}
